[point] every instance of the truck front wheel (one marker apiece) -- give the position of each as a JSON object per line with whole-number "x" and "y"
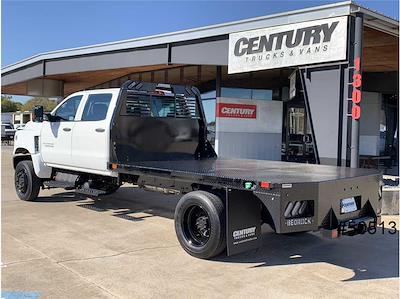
{"x": 200, "y": 224}
{"x": 27, "y": 184}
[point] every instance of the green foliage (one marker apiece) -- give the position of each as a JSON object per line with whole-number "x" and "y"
{"x": 47, "y": 104}
{"x": 6, "y": 97}
{"x": 8, "y": 105}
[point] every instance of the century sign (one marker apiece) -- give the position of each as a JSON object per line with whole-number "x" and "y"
{"x": 236, "y": 110}
{"x": 288, "y": 45}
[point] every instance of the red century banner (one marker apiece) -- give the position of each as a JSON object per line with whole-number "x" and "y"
{"x": 236, "y": 110}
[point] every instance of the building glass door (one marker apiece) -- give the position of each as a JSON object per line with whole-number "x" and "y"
{"x": 297, "y": 144}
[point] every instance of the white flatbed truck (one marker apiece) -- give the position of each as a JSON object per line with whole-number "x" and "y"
{"x": 154, "y": 135}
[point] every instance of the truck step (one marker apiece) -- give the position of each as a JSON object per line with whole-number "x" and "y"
{"x": 90, "y": 192}
{"x": 59, "y": 184}
{"x": 66, "y": 177}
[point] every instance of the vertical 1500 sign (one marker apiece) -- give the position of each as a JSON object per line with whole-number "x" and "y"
{"x": 356, "y": 93}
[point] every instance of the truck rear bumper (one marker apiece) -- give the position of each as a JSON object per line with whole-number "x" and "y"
{"x": 302, "y": 207}
{"x": 315, "y": 206}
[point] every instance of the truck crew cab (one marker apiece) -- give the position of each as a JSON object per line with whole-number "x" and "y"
{"x": 155, "y": 135}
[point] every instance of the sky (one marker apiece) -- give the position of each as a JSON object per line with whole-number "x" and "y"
{"x": 33, "y": 27}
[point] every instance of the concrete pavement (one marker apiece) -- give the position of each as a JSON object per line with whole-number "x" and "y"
{"x": 124, "y": 246}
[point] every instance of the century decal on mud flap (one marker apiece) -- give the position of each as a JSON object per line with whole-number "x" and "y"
{"x": 244, "y": 235}
{"x": 288, "y": 45}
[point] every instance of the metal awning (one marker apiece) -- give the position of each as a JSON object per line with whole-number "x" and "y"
{"x": 81, "y": 68}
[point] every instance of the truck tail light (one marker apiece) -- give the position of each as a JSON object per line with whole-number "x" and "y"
{"x": 265, "y": 185}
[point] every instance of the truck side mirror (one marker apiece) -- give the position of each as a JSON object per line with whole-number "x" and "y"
{"x": 38, "y": 113}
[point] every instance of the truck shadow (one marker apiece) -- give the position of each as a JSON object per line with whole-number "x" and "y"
{"x": 60, "y": 197}
{"x": 134, "y": 204}
{"x": 368, "y": 256}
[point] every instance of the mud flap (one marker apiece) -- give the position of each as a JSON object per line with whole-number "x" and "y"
{"x": 243, "y": 221}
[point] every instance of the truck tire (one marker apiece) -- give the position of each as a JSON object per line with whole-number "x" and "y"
{"x": 200, "y": 224}
{"x": 27, "y": 184}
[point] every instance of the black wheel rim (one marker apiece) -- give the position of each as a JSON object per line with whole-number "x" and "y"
{"x": 21, "y": 181}
{"x": 196, "y": 226}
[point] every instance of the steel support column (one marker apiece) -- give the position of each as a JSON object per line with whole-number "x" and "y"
{"x": 218, "y": 81}
{"x": 355, "y": 123}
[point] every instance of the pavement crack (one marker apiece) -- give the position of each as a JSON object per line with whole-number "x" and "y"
{"x": 60, "y": 263}
{"x": 22, "y": 261}
{"x": 115, "y": 254}
{"x": 30, "y": 247}
{"x": 63, "y": 266}
{"x": 87, "y": 280}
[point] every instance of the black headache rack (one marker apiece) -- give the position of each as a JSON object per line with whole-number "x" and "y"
{"x": 158, "y": 122}
{"x": 159, "y": 138}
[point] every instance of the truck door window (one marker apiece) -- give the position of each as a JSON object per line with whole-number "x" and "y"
{"x": 96, "y": 107}
{"x": 67, "y": 111}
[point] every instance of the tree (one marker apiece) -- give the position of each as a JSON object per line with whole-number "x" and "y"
{"x": 8, "y": 105}
{"x": 47, "y": 104}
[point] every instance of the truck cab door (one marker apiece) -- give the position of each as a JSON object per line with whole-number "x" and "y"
{"x": 91, "y": 135}
{"x": 56, "y": 135}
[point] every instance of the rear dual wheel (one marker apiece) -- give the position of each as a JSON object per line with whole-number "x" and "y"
{"x": 200, "y": 224}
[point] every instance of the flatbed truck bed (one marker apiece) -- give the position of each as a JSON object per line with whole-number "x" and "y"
{"x": 275, "y": 172}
